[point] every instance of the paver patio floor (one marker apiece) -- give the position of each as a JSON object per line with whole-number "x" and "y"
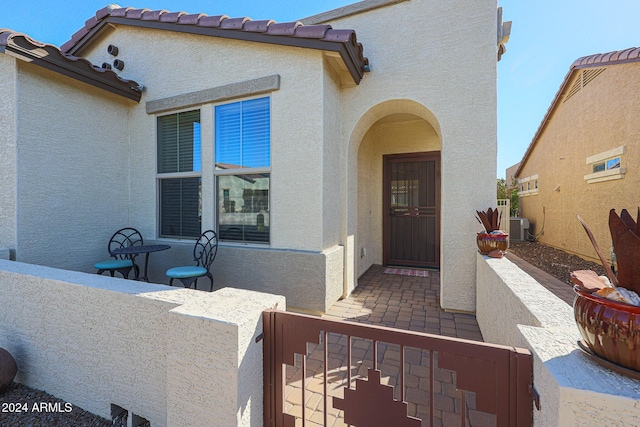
{"x": 402, "y": 302}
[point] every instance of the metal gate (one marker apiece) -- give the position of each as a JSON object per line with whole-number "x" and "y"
{"x": 321, "y": 372}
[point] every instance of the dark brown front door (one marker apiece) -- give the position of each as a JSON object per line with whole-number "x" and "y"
{"x": 412, "y": 209}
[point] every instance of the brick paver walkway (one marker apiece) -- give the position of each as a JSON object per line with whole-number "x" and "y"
{"x": 402, "y": 302}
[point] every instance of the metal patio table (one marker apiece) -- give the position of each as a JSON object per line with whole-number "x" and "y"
{"x": 142, "y": 249}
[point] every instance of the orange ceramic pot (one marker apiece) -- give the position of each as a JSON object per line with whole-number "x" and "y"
{"x": 488, "y": 242}
{"x": 610, "y": 329}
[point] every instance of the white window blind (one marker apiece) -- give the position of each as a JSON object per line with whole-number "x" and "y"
{"x": 243, "y": 132}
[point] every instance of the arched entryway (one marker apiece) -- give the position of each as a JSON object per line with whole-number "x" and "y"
{"x": 395, "y": 161}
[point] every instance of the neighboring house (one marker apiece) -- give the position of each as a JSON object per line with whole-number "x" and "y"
{"x": 510, "y": 178}
{"x": 316, "y": 149}
{"x": 582, "y": 160}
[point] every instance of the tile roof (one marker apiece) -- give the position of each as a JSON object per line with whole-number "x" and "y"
{"x": 322, "y": 37}
{"x": 597, "y": 60}
{"x": 616, "y": 57}
{"x": 50, "y": 57}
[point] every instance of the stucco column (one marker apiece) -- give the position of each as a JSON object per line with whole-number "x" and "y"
{"x": 220, "y": 381}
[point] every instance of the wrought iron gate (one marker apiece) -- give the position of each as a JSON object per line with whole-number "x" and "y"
{"x": 321, "y": 372}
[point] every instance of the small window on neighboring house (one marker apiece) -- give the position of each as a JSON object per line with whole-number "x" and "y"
{"x": 242, "y": 170}
{"x": 606, "y": 166}
{"x": 613, "y": 163}
{"x": 528, "y": 186}
{"x": 179, "y": 174}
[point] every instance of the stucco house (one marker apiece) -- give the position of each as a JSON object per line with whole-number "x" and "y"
{"x": 315, "y": 148}
{"x": 581, "y": 160}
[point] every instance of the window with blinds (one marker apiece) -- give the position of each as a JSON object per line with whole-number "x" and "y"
{"x": 242, "y": 169}
{"x": 179, "y": 175}
{"x": 243, "y": 131}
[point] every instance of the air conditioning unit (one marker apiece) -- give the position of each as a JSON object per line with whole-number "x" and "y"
{"x": 519, "y": 229}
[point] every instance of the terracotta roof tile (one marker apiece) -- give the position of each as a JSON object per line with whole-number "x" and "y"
{"x": 121, "y": 12}
{"x": 607, "y": 56}
{"x": 78, "y": 35}
{"x": 190, "y": 19}
{"x": 104, "y": 12}
{"x": 258, "y": 26}
{"x": 171, "y": 16}
{"x": 626, "y": 55}
{"x": 312, "y": 31}
{"x": 91, "y": 22}
{"x": 136, "y": 13}
{"x": 152, "y": 15}
{"x": 53, "y": 58}
{"x": 283, "y": 29}
{"x": 341, "y": 36}
{"x": 267, "y": 31}
{"x": 68, "y": 45}
{"x": 597, "y": 60}
{"x": 234, "y": 23}
{"x": 211, "y": 21}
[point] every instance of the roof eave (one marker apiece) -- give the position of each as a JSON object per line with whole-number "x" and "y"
{"x": 48, "y": 57}
{"x": 598, "y": 60}
{"x": 348, "y": 53}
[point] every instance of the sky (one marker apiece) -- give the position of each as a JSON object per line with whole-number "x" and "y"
{"x": 547, "y": 36}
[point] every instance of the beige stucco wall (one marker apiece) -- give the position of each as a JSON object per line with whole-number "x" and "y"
{"x": 8, "y": 72}
{"x": 599, "y": 117}
{"x": 72, "y": 166}
{"x": 573, "y": 389}
{"x": 311, "y": 280}
{"x": 296, "y": 125}
{"x": 386, "y": 138}
{"x": 175, "y": 357}
{"x": 333, "y": 159}
{"x": 442, "y": 57}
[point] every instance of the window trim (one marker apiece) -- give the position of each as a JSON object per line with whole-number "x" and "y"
{"x": 529, "y": 191}
{"x": 216, "y": 95}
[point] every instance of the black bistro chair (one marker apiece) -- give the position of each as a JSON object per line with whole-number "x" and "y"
{"x": 123, "y": 264}
{"x": 204, "y": 253}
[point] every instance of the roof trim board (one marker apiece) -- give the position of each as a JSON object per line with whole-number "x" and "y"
{"x": 321, "y": 37}
{"x": 597, "y": 60}
{"x": 51, "y": 58}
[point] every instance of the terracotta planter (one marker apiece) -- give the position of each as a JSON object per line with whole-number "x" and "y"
{"x": 8, "y": 369}
{"x": 610, "y": 329}
{"x": 488, "y": 242}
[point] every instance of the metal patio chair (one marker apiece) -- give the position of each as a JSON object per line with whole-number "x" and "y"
{"x": 123, "y": 264}
{"x": 204, "y": 253}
